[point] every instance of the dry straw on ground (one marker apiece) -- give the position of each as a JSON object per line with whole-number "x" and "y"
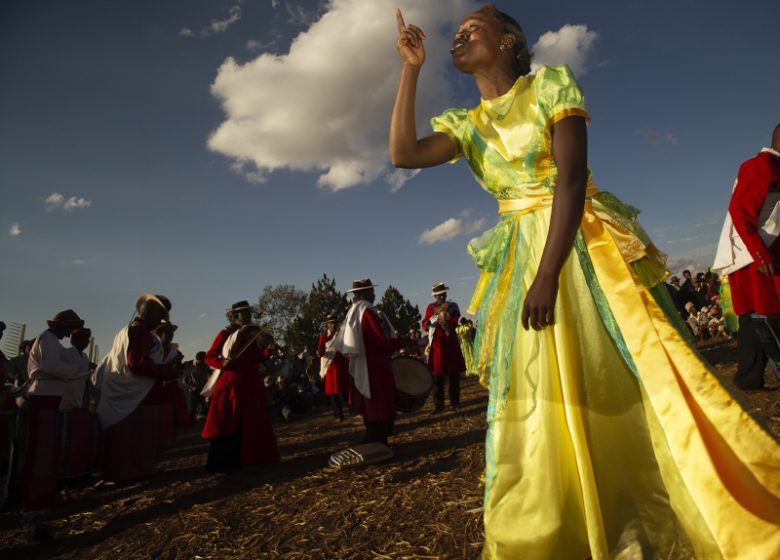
{"x": 425, "y": 503}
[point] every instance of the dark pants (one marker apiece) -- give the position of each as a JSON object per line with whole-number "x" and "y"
{"x": 751, "y": 359}
{"x": 337, "y": 402}
{"x": 454, "y": 392}
{"x": 378, "y": 431}
{"x": 224, "y": 453}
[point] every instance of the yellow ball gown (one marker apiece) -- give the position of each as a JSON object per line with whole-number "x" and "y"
{"x": 608, "y": 437}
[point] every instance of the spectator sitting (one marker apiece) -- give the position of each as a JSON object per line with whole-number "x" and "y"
{"x": 694, "y": 321}
{"x": 309, "y": 391}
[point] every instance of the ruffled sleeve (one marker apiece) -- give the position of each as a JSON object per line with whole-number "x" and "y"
{"x": 452, "y": 122}
{"x": 559, "y": 94}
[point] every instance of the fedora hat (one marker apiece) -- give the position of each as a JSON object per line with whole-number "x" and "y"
{"x": 67, "y": 318}
{"x": 440, "y": 288}
{"x": 360, "y": 285}
{"x": 238, "y": 306}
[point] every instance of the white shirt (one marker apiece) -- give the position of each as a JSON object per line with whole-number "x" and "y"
{"x": 49, "y": 368}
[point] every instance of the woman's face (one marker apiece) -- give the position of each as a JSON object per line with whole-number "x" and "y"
{"x": 476, "y": 42}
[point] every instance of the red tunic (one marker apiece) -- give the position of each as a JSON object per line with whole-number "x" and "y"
{"x": 445, "y": 357}
{"x": 752, "y": 291}
{"x": 214, "y": 357}
{"x": 337, "y": 376}
{"x": 238, "y": 403}
{"x": 381, "y": 406}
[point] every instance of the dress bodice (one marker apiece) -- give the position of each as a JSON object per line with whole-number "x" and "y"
{"x": 507, "y": 140}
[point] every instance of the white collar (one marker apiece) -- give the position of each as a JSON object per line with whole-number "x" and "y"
{"x": 771, "y": 151}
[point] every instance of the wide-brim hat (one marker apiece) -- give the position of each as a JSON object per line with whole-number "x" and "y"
{"x": 238, "y": 306}
{"x": 360, "y": 285}
{"x": 149, "y": 297}
{"x": 330, "y": 318}
{"x": 440, "y": 288}
{"x": 81, "y": 330}
{"x": 67, "y": 318}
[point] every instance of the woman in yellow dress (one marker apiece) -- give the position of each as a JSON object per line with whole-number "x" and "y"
{"x": 607, "y": 436}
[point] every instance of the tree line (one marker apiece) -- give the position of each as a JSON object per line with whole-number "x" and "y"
{"x": 295, "y": 318}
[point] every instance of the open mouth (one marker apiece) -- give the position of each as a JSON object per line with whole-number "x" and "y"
{"x": 457, "y": 44}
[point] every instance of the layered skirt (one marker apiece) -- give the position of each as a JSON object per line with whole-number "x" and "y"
{"x": 608, "y": 437}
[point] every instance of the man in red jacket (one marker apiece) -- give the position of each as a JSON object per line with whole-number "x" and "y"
{"x": 754, "y": 251}
{"x": 445, "y": 357}
{"x": 334, "y": 370}
{"x": 368, "y": 339}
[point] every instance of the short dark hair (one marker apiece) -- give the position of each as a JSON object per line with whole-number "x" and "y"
{"x": 521, "y": 61}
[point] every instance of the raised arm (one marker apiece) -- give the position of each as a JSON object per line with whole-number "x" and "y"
{"x": 405, "y": 149}
{"x": 570, "y": 151}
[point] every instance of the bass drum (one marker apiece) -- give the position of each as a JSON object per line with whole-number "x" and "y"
{"x": 413, "y": 383}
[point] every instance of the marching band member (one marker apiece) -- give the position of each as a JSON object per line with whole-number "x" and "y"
{"x": 749, "y": 252}
{"x": 49, "y": 372}
{"x": 134, "y": 408}
{"x": 335, "y": 370}
{"x": 238, "y": 425}
{"x": 367, "y": 339}
{"x": 445, "y": 357}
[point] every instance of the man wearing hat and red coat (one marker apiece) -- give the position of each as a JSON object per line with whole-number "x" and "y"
{"x": 445, "y": 357}
{"x": 368, "y": 339}
{"x": 134, "y": 408}
{"x": 334, "y": 370}
{"x": 749, "y": 252}
{"x": 238, "y": 425}
{"x": 49, "y": 372}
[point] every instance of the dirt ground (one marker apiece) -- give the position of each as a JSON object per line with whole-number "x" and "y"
{"x": 424, "y": 503}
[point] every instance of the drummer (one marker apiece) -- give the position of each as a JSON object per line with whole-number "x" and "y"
{"x": 368, "y": 339}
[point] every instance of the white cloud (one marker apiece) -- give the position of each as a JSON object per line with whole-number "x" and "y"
{"x": 324, "y": 105}
{"x": 571, "y": 44}
{"x": 215, "y": 26}
{"x": 56, "y": 201}
{"x": 450, "y": 229}
{"x": 53, "y": 201}
{"x": 653, "y": 137}
{"x": 15, "y": 230}
{"x": 78, "y": 262}
{"x": 274, "y": 4}
{"x": 297, "y": 15}
{"x": 74, "y": 203}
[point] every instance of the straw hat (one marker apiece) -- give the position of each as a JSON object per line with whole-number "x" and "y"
{"x": 440, "y": 288}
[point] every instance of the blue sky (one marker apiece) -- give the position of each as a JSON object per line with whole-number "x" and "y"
{"x": 205, "y": 149}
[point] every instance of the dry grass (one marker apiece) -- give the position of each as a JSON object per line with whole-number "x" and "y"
{"x": 424, "y": 503}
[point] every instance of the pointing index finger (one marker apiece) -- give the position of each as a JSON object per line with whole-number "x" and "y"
{"x": 399, "y": 19}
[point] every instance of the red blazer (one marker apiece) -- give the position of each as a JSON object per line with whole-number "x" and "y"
{"x": 752, "y": 291}
{"x": 337, "y": 377}
{"x": 381, "y": 406}
{"x": 445, "y": 356}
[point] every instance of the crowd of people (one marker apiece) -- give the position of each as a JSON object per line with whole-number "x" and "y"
{"x": 698, "y": 300}
{"x": 123, "y": 411}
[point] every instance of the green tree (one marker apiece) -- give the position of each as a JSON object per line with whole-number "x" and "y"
{"x": 402, "y": 314}
{"x": 322, "y": 300}
{"x": 277, "y": 307}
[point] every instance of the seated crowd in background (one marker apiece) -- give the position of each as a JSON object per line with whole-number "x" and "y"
{"x": 697, "y": 300}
